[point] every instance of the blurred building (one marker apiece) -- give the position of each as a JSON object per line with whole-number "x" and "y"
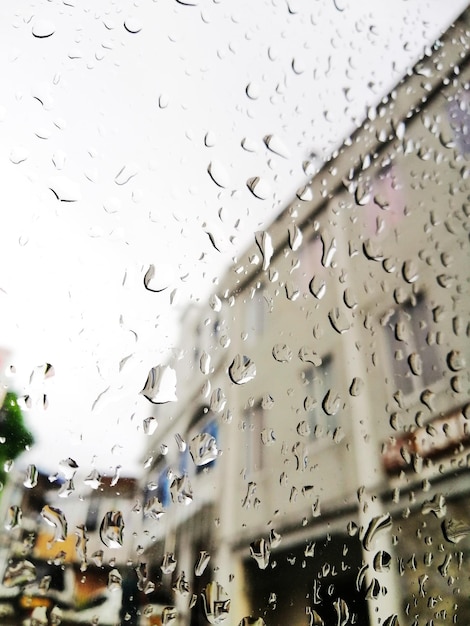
{"x": 318, "y": 449}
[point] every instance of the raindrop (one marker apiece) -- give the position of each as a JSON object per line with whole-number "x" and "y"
{"x": 169, "y": 613}
{"x": 132, "y": 25}
{"x": 392, "y": 620}
{"x": 342, "y": 612}
{"x": 215, "y": 303}
{"x": 436, "y": 506}
{"x": 150, "y": 425}
{"x": 205, "y": 363}
{"x": 415, "y": 363}
{"x": 216, "y": 603}
{"x": 43, "y": 29}
{"x": 282, "y": 353}
{"x": 317, "y": 287}
{"x": 114, "y": 580}
{"x": 158, "y": 281}
{"x": 163, "y": 100}
{"x": 31, "y": 479}
{"x": 93, "y": 479}
{"x": 160, "y": 386}
{"x": 210, "y": 139}
{"x": 329, "y": 250}
{"x": 19, "y": 574}
{"x": 253, "y": 90}
{"x": 382, "y": 561}
{"x": 18, "y": 154}
{"x": 265, "y": 245}
{"x": 455, "y": 360}
{"x": 217, "y": 401}
{"x": 338, "y": 321}
{"x": 242, "y": 370}
{"x": 295, "y": 237}
{"x": 376, "y": 525}
{"x": 218, "y": 173}
{"x": 249, "y": 145}
{"x": 111, "y": 529}
{"x": 54, "y": 517}
{"x": 126, "y": 173}
{"x": 307, "y": 355}
{"x": 64, "y": 189}
{"x": 97, "y": 557}
{"x": 261, "y": 552}
{"x": 181, "y": 585}
{"x": 305, "y": 193}
{"x": 356, "y": 387}
{"x": 68, "y": 467}
{"x": 276, "y": 145}
{"x": 181, "y": 490}
{"x": 14, "y": 517}
{"x": 410, "y": 272}
{"x": 202, "y": 562}
{"x": 455, "y": 530}
{"x": 331, "y": 403}
{"x": 298, "y": 66}
{"x": 203, "y": 449}
{"x": 259, "y": 187}
{"x": 169, "y": 562}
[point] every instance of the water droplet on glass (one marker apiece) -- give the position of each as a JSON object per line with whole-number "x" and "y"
{"x": 317, "y": 287}
{"x": 249, "y": 145}
{"x": 181, "y": 490}
{"x": 158, "y": 280}
{"x": 160, "y": 386}
{"x": 169, "y": 562}
{"x": 436, "y": 506}
{"x": 382, "y": 561}
{"x": 216, "y": 603}
{"x": 114, "y": 580}
{"x": 203, "y": 449}
{"x": 339, "y": 321}
{"x": 205, "y": 363}
{"x": 181, "y": 585}
{"x": 356, "y": 387}
{"x": 210, "y": 139}
{"x": 307, "y": 355}
{"x": 132, "y": 25}
{"x": 153, "y": 509}
{"x": 55, "y": 518}
{"x": 329, "y": 250}
{"x": 169, "y": 613}
{"x": 242, "y": 370}
{"x": 111, "y": 529}
{"x": 93, "y": 479}
{"x": 14, "y": 517}
{"x": 217, "y": 401}
{"x": 31, "y": 479}
{"x": 455, "y": 530}
{"x": 415, "y": 363}
{"x": 215, "y": 303}
{"x": 295, "y": 237}
{"x": 260, "y": 551}
{"x": 18, "y": 154}
{"x": 43, "y": 29}
{"x": 276, "y": 145}
{"x": 259, "y": 187}
{"x": 126, "y": 173}
{"x": 218, "y": 173}
{"x": 282, "y": 353}
{"x": 64, "y": 189}
{"x": 19, "y": 574}
{"x": 253, "y": 90}
{"x": 456, "y": 360}
{"x": 410, "y": 272}
{"x": 150, "y": 425}
{"x": 342, "y": 612}
{"x": 265, "y": 245}
{"x": 202, "y": 562}
{"x": 163, "y": 100}
{"x": 97, "y": 558}
{"x": 252, "y": 621}
{"x": 377, "y": 525}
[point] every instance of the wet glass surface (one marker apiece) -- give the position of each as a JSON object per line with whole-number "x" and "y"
{"x": 235, "y": 313}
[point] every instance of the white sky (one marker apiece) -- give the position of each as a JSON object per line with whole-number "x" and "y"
{"x": 83, "y": 103}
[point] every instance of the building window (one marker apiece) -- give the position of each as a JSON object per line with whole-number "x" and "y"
{"x": 413, "y": 353}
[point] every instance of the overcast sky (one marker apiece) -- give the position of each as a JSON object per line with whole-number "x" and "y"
{"x": 112, "y": 113}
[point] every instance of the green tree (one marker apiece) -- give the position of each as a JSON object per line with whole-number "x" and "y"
{"x": 14, "y": 436}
